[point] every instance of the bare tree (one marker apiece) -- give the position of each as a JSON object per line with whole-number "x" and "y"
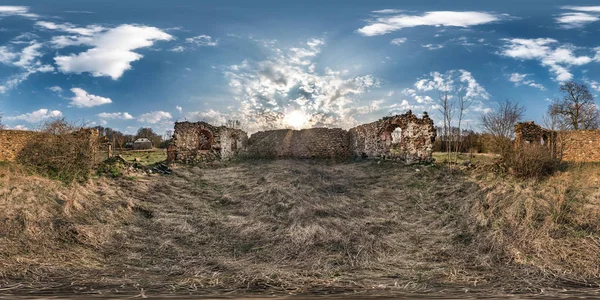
{"x": 500, "y": 122}
{"x": 577, "y": 109}
{"x": 447, "y": 110}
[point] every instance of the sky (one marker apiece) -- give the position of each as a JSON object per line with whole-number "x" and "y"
{"x": 286, "y": 64}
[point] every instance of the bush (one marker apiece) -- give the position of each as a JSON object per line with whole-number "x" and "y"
{"x": 530, "y": 161}
{"x": 61, "y": 151}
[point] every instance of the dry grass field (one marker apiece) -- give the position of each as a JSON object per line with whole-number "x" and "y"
{"x": 292, "y": 226}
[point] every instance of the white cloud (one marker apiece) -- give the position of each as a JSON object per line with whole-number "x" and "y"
{"x": 387, "y": 11}
{"x": 178, "y": 49}
{"x": 386, "y": 24}
{"x": 211, "y": 116}
{"x": 424, "y": 96}
{"x": 179, "y": 108}
{"x": 37, "y": 116}
{"x": 519, "y": 79}
{"x": 56, "y": 89}
{"x": 202, "y": 40}
{"x": 595, "y": 85}
{"x": 17, "y": 127}
{"x": 112, "y": 52}
{"x": 576, "y": 20}
{"x": 23, "y": 11}
{"x": 288, "y": 81}
{"x": 398, "y": 41}
{"x": 70, "y": 28}
{"x": 83, "y": 99}
{"x": 27, "y": 60}
{"x": 582, "y": 16}
{"x": 117, "y": 115}
{"x": 154, "y": 117}
{"x": 558, "y": 58}
{"x": 433, "y": 46}
{"x": 195, "y": 42}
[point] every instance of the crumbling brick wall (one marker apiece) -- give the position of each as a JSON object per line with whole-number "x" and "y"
{"x": 12, "y": 142}
{"x": 414, "y": 142}
{"x": 579, "y": 145}
{"x": 306, "y": 143}
{"x": 200, "y": 142}
{"x": 569, "y": 145}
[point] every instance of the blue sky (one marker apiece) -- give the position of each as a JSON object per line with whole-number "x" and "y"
{"x": 127, "y": 64}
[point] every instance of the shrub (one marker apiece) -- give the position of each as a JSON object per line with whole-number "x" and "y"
{"x": 62, "y": 151}
{"x": 529, "y": 161}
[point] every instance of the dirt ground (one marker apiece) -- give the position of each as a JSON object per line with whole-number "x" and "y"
{"x": 275, "y": 227}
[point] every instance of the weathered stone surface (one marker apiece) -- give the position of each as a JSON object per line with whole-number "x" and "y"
{"x": 415, "y": 141}
{"x": 201, "y": 142}
{"x": 569, "y": 145}
{"x": 306, "y": 143}
{"x": 13, "y": 141}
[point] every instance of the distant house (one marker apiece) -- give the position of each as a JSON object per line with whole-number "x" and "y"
{"x": 142, "y": 144}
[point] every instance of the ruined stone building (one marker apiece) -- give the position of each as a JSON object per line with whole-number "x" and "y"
{"x": 568, "y": 145}
{"x": 404, "y": 137}
{"x": 201, "y": 142}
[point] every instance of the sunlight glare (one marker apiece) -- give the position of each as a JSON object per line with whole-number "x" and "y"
{"x": 296, "y": 119}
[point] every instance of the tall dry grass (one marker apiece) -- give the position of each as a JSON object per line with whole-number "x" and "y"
{"x": 552, "y": 224}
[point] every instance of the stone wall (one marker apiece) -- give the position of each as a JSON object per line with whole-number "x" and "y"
{"x": 13, "y": 141}
{"x": 200, "y": 142}
{"x": 412, "y": 143}
{"x": 306, "y": 143}
{"x": 569, "y": 145}
{"x": 579, "y": 145}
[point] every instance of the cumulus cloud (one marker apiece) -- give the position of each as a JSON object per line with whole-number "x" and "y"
{"x": 116, "y": 115}
{"x": 179, "y": 108}
{"x": 37, "y": 116}
{"x": 521, "y": 79}
{"x": 112, "y": 49}
{"x": 83, "y": 99}
{"x": 390, "y": 23}
{"x": 459, "y": 82}
{"x": 210, "y": 116}
{"x": 578, "y": 17}
{"x": 551, "y": 54}
{"x": 154, "y": 117}
{"x": 398, "y": 41}
{"x": 288, "y": 82}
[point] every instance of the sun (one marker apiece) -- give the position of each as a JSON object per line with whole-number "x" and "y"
{"x": 296, "y": 119}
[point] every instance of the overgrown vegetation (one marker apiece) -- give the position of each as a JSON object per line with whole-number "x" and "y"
{"x": 62, "y": 151}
